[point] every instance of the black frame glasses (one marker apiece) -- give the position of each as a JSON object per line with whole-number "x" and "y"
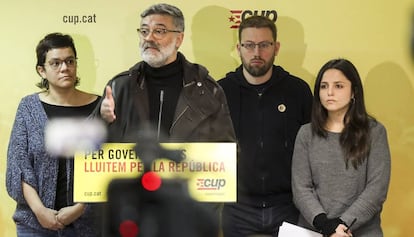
{"x": 158, "y": 33}
{"x": 56, "y": 64}
{"x": 252, "y": 46}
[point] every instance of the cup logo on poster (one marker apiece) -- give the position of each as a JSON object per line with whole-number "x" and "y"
{"x": 210, "y": 184}
{"x": 239, "y": 15}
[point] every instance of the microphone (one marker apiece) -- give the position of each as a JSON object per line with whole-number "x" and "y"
{"x": 160, "y": 114}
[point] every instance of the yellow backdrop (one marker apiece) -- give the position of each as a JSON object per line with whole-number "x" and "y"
{"x": 373, "y": 34}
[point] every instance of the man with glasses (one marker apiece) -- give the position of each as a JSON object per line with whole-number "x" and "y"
{"x": 267, "y": 106}
{"x": 178, "y": 98}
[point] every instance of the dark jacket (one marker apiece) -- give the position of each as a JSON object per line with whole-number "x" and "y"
{"x": 201, "y": 113}
{"x": 266, "y": 125}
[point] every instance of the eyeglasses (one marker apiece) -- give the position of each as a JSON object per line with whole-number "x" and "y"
{"x": 158, "y": 33}
{"x": 56, "y": 64}
{"x": 251, "y": 46}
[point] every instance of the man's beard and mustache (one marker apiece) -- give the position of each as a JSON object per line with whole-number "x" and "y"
{"x": 258, "y": 71}
{"x": 156, "y": 56}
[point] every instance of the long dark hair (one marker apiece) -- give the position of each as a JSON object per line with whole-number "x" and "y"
{"x": 355, "y": 138}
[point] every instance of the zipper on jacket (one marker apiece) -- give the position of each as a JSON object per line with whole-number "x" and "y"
{"x": 178, "y": 117}
{"x": 160, "y": 114}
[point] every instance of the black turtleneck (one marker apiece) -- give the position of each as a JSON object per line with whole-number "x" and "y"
{"x": 169, "y": 79}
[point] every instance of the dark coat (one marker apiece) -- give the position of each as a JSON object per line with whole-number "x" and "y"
{"x": 201, "y": 113}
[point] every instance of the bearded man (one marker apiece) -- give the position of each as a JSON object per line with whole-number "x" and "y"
{"x": 268, "y": 105}
{"x": 179, "y": 99}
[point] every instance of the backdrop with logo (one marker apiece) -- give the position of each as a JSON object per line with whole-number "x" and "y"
{"x": 375, "y": 35}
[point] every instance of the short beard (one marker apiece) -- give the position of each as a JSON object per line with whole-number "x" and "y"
{"x": 160, "y": 58}
{"x": 258, "y": 71}
{"x": 153, "y": 60}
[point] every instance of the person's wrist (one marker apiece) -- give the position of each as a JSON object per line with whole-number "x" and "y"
{"x": 325, "y": 225}
{"x": 80, "y": 207}
{"x": 38, "y": 209}
{"x": 330, "y": 226}
{"x": 319, "y": 221}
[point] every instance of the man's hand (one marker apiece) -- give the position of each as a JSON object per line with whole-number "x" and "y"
{"x": 108, "y": 106}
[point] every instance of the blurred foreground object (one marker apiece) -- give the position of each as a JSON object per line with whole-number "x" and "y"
{"x": 149, "y": 206}
{"x": 66, "y": 136}
{"x": 155, "y": 208}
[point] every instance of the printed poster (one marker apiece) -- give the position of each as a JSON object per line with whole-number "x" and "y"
{"x": 210, "y": 169}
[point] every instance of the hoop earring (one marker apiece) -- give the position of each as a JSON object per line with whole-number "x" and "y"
{"x": 353, "y": 100}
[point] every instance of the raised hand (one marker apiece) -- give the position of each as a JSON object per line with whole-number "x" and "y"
{"x": 108, "y": 106}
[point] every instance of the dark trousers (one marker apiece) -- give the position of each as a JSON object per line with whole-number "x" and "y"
{"x": 241, "y": 220}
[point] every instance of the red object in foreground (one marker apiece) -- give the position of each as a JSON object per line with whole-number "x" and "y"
{"x": 128, "y": 228}
{"x": 151, "y": 181}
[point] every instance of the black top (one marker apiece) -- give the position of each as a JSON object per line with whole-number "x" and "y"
{"x": 266, "y": 119}
{"x": 57, "y": 111}
{"x": 169, "y": 80}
